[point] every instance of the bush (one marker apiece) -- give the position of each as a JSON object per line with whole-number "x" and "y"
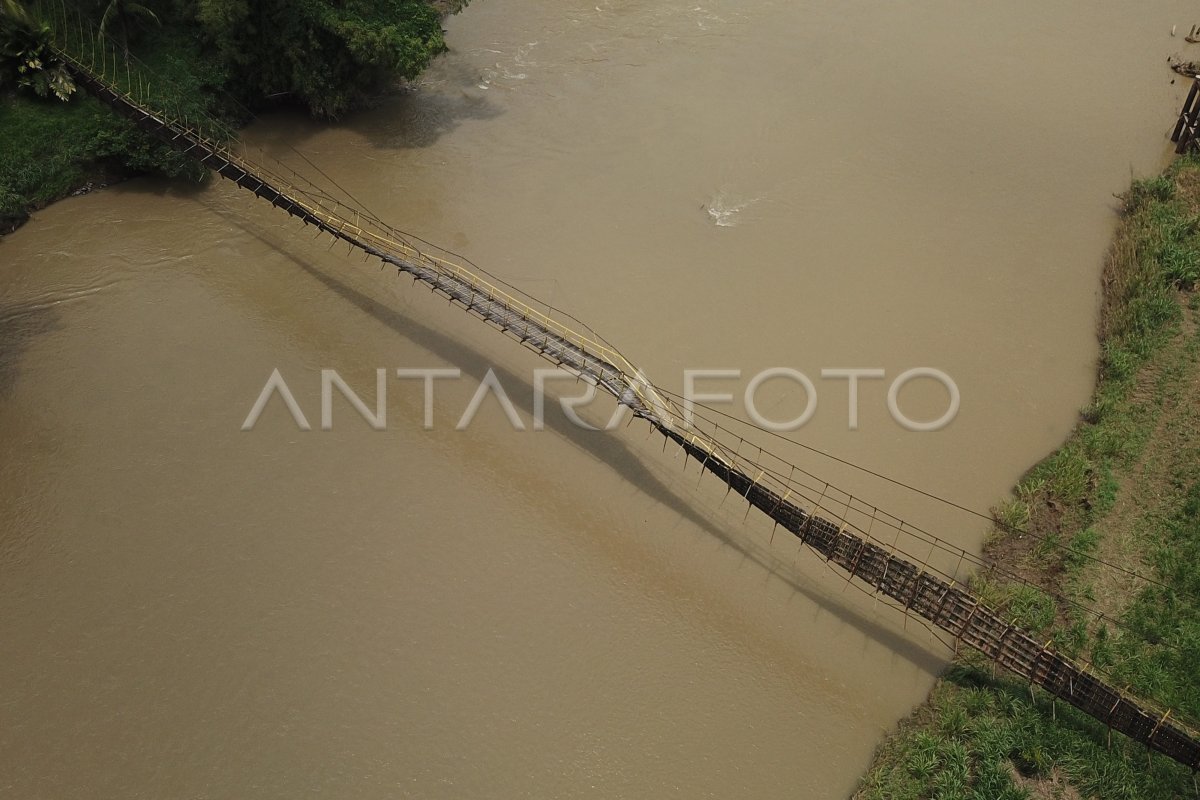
{"x": 328, "y": 57}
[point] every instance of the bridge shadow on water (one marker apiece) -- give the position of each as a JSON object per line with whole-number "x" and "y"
{"x": 20, "y": 324}
{"x": 610, "y": 450}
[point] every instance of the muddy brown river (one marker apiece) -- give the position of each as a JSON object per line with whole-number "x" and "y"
{"x": 192, "y": 610}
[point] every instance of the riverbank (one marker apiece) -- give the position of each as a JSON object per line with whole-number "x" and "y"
{"x": 55, "y": 149}
{"x": 205, "y": 64}
{"x": 1121, "y": 496}
{"x": 58, "y": 150}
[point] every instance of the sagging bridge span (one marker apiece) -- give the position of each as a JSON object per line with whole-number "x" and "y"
{"x": 881, "y": 569}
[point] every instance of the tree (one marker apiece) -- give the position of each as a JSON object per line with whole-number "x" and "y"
{"x": 120, "y": 17}
{"x": 327, "y": 54}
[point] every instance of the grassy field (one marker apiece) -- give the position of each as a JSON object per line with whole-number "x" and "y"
{"x": 1123, "y": 490}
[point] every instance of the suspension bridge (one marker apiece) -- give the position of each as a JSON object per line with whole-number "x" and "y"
{"x": 884, "y": 570}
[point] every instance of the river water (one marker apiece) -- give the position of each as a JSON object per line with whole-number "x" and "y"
{"x": 190, "y": 610}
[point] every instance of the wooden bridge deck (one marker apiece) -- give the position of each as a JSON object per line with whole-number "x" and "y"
{"x": 1188, "y": 126}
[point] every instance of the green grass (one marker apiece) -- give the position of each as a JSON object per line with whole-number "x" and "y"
{"x": 982, "y": 738}
{"x": 1013, "y": 515}
{"x": 52, "y": 148}
{"x": 48, "y": 151}
{"x": 1128, "y": 478}
{"x": 1167, "y": 615}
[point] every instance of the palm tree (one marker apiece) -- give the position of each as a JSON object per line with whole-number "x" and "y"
{"x": 125, "y": 13}
{"x": 25, "y": 54}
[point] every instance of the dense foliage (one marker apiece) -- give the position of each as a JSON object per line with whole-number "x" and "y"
{"x": 215, "y": 57}
{"x": 327, "y": 55}
{"x": 25, "y": 58}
